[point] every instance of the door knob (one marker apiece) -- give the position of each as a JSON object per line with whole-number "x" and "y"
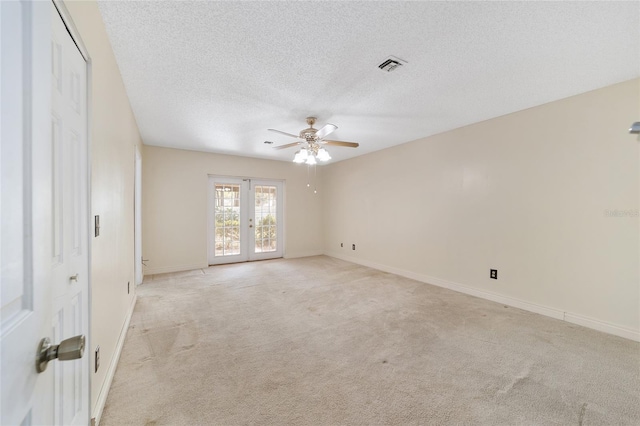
{"x": 68, "y": 349}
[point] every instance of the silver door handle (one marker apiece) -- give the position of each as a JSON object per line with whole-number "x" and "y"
{"x": 74, "y": 278}
{"x": 68, "y": 349}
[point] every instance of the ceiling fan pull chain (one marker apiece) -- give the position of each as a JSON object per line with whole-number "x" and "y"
{"x": 315, "y": 180}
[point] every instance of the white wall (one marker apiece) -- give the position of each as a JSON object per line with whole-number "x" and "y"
{"x": 524, "y": 193}
{"x": 174, "y": 205}
{"x": 114, "y": 136}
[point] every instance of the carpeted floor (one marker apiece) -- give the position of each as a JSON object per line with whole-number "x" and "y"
{"x": 319, "y": 341}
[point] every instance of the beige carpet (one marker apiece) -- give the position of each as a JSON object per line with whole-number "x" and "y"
{"x": 319, "y": 341}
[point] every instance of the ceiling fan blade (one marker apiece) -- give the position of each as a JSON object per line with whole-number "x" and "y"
{"x": 325, "y": 130}
{"x": 284, "y": 133}
{"x": 342, "y": 143}
{"x": 289, "y": 145}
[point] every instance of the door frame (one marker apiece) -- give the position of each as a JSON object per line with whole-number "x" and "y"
{"x": 248, "y": 212}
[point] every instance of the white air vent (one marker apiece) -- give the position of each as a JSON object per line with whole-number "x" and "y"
{"x": 391, "y": 63}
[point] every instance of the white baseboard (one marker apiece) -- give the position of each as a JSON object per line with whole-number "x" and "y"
{"x": 106, "y": 385}
{"x": 602, "y": 326}
{"x": 180, "y": 268}
{"x": 176, "y": 268}
{"x": 594, "y": 324}
{"x": 295, "y": 255}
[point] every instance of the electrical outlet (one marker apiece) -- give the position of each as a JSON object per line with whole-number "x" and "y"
{"x": 353, "y": 246}
{"x": 128, "y": 287}
{"x": 341, "y": 245}
{"x": 493, "y": 274}
{"x": 97, "y": 358}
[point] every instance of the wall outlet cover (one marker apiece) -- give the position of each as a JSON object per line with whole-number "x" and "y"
{"x": 96, "y": 224}
{"x": 493, "y": 274}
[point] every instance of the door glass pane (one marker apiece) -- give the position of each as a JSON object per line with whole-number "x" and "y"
{"x": 265, "y": 220}
{"x": 227, "y": 215}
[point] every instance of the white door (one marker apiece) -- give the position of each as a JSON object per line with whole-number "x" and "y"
{"x": 245, "y": 220}
{"x": 70, "y": 221}
{"x": 137, "y": 252}
{"x": 43, "y": 215}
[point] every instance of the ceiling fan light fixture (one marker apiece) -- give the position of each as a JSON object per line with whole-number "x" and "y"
{"x": 300, "y": 156}
{"x": 311, "y": 160}
{"x": 323, "y": 155}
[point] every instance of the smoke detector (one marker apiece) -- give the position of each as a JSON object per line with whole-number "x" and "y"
{"x": 391, "y": 63}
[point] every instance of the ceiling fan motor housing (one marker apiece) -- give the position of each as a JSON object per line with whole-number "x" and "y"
{"x": 309, "y": 134}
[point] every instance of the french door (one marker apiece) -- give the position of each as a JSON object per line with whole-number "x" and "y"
{"x": 245, "y": 220}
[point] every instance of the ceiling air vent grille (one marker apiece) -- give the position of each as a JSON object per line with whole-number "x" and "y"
{"x": 391, "y": 63}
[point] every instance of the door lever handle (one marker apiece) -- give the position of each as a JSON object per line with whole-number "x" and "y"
{"x": 68, "y": 349}
{"x": 74, "y": 278}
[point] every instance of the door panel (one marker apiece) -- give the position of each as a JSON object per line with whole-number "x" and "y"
{"x": 265, "y": 206}
{"x": 266, "y": 242}
{"x": 245, "y": 220}
{"x": 25, "y": 165}
{"x": 227, "y": 221}
{"x": 228, "y": 230}
{"x": 15, "y": 287}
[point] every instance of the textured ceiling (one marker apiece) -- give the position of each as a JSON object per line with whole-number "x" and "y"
{"x": 213, "y": 76}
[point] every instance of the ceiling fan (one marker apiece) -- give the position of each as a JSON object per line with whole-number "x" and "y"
{"x": 312, "y": 143}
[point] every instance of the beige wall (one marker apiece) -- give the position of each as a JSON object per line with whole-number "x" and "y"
{"x": 525, "y": 194}
{"x": 113, "y": 138}
{"x": 174, "y": 205}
